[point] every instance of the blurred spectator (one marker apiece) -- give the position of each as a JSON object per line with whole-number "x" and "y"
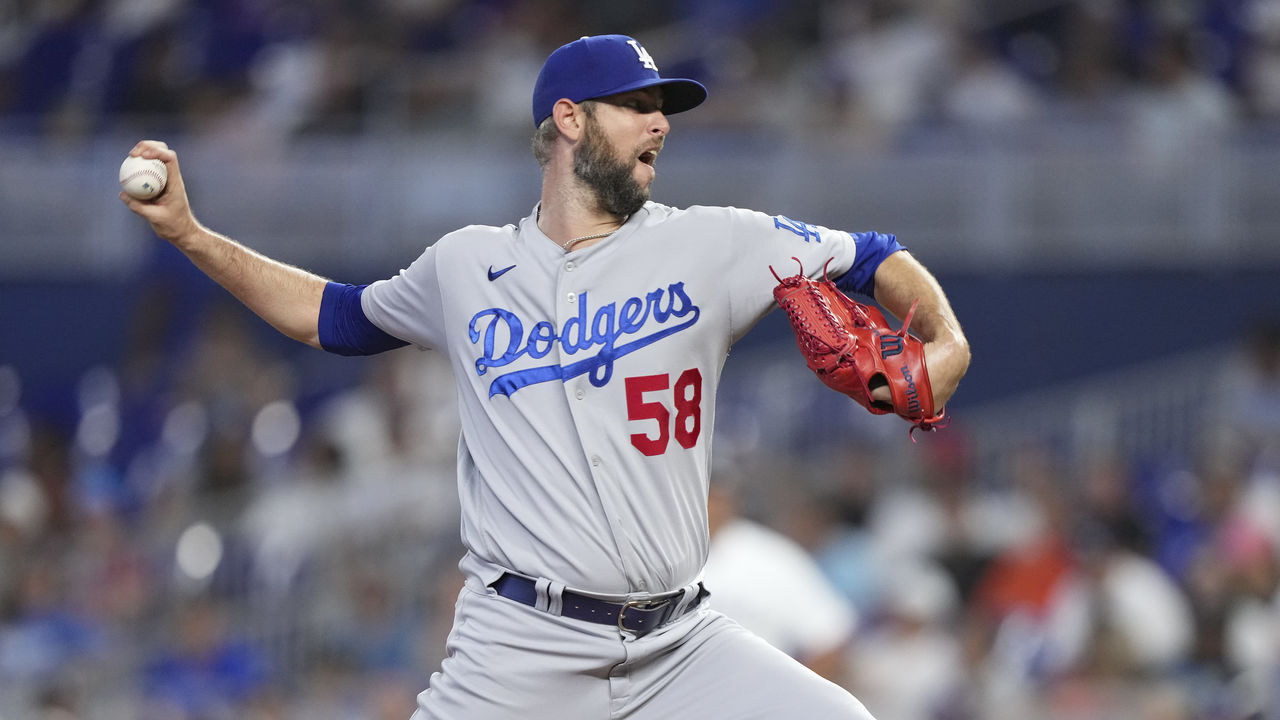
{"x": 328, "y": 687}
{"x": 1230, "y": 577}
{"x": 376, "y": 630}
{"x": 50, "y": 464}
{"x": 117, "y": 578}
{"x": 23, "y": 509}
{"x": 1251, "y": 630}
{"x": 15, "y": 426}
{"x": 397, "y": 431}
{"x": 321, "y": 78}
{"x": 511, "y": 52}
{"x": 228, "y": 372}
{"x": 832, "y": 524}
{"x": 1091, "y": 80}
{"x": 281, "y": 521}
{"x": 985, "y": 92}
{"x": 48, "y": 44}
{"x": 891, "y": 58}
{"x": 400, "y": 415}
{"x": 1262, "y": 70}
{"x": 943, "y": 514}
{"x": 237, "y": 400}
{"x": 58, "y": 703}
{"x": 972, "y": 520}
{"x": 909, "y": 665}
{"x": 148, "y": 76}
{"x": 1020, "y": 610}
{"x": 1178, "y": 109}
{"x": 43, "y": 631}
{"x": 202, "y": 671}
{"x": 1246, "y": 417}
{"x": 1109, "y": 501}
{"x": 1139, "y": 623}
{"x": 770, "y": 585}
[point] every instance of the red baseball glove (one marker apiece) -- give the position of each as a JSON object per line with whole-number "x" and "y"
{"x": 851, "y": 348}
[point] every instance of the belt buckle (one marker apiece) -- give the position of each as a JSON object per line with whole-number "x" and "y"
{"x": 646, "y": 605}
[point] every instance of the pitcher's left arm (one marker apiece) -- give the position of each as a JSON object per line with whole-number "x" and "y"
{"x": 901, "y": 280}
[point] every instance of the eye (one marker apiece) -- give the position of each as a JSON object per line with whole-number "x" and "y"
{"x": 639, "y": 103}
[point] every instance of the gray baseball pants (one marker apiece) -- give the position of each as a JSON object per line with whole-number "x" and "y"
{"x": 507, "y": 660}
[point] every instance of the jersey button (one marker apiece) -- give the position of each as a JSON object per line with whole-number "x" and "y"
{"x": 572, "y": 297}
{"x": 580, "y": 393}
{"x": 595, "y": 461}
{"x": 570, "y": 266}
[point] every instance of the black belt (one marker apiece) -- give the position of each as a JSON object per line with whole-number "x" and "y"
{"x": 637, "y": 616}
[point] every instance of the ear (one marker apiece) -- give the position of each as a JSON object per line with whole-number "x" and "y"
{"x": 569, "y": 118}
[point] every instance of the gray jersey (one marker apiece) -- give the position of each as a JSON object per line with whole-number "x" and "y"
{"x": 587, "y": 380}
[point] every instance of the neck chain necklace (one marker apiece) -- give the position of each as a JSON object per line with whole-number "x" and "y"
{"x": 568, "y": 243}
{"x": 575, "y": 241}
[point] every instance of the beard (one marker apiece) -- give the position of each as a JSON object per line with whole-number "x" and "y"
{"x": 608, "y": 176}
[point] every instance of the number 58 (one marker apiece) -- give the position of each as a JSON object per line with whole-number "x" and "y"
{"x": 687, "y": 400}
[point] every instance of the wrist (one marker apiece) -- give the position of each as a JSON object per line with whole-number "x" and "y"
{"x": 189, "y": 237}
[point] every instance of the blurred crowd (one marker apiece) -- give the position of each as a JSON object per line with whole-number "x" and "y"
{"x": 208, "y": 539}
{"x": 1040, "y": 582}
{"x": 874, "y": 68}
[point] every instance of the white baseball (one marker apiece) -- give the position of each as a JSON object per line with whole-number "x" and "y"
{"x": 143, "y": 178}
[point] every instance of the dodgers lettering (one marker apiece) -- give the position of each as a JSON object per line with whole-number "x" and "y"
{"x": 913, "y": 395}
{"x": 501, "y": 334}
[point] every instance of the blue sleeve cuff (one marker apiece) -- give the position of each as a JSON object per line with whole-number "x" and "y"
{"x": 343, "y": 327}
{"x": 872, "y": 249}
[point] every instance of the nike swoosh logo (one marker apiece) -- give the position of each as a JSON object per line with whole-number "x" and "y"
{"x": 495, "y": 274}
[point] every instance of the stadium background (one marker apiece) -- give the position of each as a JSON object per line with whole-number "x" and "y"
{"x": 201, "y": 520}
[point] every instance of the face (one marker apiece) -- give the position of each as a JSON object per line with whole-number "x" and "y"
{"x": 620, "y": 143}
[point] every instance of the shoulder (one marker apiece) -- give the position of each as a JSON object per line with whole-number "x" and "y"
{"x": 472, "y": 239}
{"x": 704, "y": 217}
{"x": 472, "y": 234}
{"x": 659, "y": 212}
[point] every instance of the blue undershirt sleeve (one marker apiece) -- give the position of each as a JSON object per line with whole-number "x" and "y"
{"x": 872, "y": 249}
{"x": 343, "y": 327}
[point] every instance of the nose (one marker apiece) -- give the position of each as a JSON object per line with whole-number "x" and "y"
{"x": 659, "y": 125}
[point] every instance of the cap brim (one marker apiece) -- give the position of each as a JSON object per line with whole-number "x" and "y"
{"x": 678, "y": 94}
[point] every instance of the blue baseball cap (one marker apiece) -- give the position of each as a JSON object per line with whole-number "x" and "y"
{"x": 602, "y": 65}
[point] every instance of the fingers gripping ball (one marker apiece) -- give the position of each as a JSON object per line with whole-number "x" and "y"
{"x": 143, "y": 178}
{"x": 851, "y": 349}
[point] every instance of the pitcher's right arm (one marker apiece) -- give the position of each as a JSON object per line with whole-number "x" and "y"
{"x": 287, "y": 297}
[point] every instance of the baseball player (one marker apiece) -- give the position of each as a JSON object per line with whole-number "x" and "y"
{"x": 587, "y": 342}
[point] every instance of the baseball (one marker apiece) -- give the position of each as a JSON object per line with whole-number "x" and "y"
{"x": 143, "y": 178}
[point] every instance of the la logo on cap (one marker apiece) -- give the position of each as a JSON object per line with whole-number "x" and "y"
{"x": 645, "y": 58}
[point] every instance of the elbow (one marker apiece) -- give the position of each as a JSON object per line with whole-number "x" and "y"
{"x": 965, "y": 355}
{"x": 959, "y": 358}
{"x": 947, "y": 364}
